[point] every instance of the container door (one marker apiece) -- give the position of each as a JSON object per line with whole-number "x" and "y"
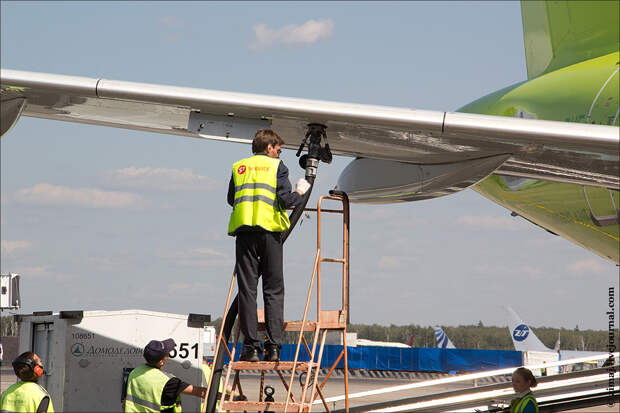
{"x": 42, "y": 345}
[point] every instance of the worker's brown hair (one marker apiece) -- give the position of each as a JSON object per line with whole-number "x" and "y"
{"x": 263, "y": 138}
{"x": 526, "y": 374}
{"x": 23, "y": 370}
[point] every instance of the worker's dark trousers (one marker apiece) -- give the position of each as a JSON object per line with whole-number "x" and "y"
{"x": 259, "y": 254}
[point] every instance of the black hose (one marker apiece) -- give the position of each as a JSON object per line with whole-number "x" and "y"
{"x": 231, "y": 315}
{"x": 299, "y": 209}
{"x": 218, "y": 364}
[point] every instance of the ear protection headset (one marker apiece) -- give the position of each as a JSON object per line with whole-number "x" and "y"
{"x": 37, "y": 371}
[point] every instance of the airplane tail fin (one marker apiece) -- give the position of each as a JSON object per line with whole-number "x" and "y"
{"x": 442, "y": 338}
{"x": 557, "y": 34}
{"x": 523, "y": 338}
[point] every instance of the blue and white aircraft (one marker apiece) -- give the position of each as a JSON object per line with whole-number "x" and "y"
{"x": 442, "y": 338}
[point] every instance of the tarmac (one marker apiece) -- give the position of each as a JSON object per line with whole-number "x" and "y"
{"x": 359, "y": 381}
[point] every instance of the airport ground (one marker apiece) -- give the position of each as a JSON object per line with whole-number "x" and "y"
{"x": 334, "y": 387}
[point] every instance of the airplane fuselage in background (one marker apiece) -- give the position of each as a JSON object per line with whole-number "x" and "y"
{"x": 586, "y": 92}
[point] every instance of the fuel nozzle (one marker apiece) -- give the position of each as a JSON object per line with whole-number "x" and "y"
{"x": 316, "y": 152}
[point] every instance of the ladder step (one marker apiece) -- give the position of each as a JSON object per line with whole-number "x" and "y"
{"x": 340, "y": 260}
{"x": 268, "y": 365}
{"x": 262, "y": 406}
{"x": 296, "y": 325}
{"x": 291, "y": 325}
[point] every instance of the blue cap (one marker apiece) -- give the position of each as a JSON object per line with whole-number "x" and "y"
{"x": 157, "y": 350}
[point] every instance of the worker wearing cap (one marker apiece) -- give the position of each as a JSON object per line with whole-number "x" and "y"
{"x": 149, "y": 389}
{"x": 259, "y": 192}
{"x": 26, "y": 395}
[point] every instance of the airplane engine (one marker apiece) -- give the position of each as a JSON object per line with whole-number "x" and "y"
{"x": 376, "y": 181}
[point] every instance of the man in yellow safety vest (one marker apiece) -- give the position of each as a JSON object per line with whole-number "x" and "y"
{"x": 149, "y": 389}
{"x": 26, "y": 395}
{"x": 259, "y": 192}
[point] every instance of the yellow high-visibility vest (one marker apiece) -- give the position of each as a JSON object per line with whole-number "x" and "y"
{"x": 206, "y": 374}
{"x": 24, "y": 397}
{"x": 145, "y": 386}
{"x": 518, "y": 405}
{"x": 255, "y": 203}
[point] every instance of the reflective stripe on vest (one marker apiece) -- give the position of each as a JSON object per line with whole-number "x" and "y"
{"x": 255, "y": 203}
{"x": 145, "y": 386}
{"x": 521, "y": 403}
{"x": 23, "y": 397}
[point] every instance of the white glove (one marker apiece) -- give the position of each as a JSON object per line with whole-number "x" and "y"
{"x": 302, "y": 186}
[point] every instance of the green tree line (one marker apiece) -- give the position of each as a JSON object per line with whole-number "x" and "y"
{"x": 482, "y": 337}
{"x": 8, "y": 327}
{"x": 473, "y": 336}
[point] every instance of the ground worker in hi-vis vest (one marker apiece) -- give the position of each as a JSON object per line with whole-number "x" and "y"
{"x": 259, "y": 192}
{"x": 206, "y": 376}
{"x": 149, "y": 389}
{"x": 525, "y": 402}
{"x": 26, "y": 395}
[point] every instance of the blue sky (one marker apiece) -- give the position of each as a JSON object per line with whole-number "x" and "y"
{"x": 102, "y": 218}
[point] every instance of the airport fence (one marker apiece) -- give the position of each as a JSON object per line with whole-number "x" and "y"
{"x": 410, "y": 359}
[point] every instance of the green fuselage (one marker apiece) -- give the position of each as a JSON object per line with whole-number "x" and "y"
{"x": 586, "y": 92}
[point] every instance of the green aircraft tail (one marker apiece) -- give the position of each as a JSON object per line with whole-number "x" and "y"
{"x": 560, "y": 33}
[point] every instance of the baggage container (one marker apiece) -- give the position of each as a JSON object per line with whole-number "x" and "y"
{"x": 88, "y": 355}
{"x": 531, "y": 358}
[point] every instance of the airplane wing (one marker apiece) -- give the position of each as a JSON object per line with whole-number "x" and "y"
{"x": 446, "y": 151}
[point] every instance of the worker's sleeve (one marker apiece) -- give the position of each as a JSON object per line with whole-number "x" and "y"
{"x": 231, "y": 191}
{"x": 43, "y": 405}
{"x": 286, "y": 196}
{"x": 171, "y": 391}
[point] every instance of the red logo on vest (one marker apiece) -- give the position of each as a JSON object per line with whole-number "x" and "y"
{"x": 241, "y": 170}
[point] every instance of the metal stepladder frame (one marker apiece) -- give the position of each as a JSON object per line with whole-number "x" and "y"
{"x": 327, "y": 320}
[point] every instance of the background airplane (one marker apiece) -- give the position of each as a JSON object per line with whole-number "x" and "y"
{"x": 569, "y": 222}
{"x": 442, "y": 339}
{"x": 524, "y": 339}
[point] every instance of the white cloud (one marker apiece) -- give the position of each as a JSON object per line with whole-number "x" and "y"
{"x": 200, "y": 257}
{"x": 515, "y": 272}
{"x": 488, "y": 222}
{"x": 171, "y": 21}
{"x": 163, "y": 179}
{"x": 291, "y": 35}
{"x": 174, "y": 287}
{"x": 10, "y": 246}
{"x": 587, "y": 266}
{"x": 37, "y": 271}
{"x": 208, "y": 251}
{"x": 46, "y": 194}
{"x": 393, "y": 262}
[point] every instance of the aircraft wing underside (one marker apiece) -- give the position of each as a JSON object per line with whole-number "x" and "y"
{"x": 559, "y": 151}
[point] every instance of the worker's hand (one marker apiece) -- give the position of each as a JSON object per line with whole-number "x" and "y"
{"x": 302, "y": 186}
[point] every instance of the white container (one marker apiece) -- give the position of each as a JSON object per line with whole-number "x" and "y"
{"x": 532, "y": 358}
{"x": 86, "y": 353}
{"x": 9, "y": 291}
{"x": 209, "y": 343}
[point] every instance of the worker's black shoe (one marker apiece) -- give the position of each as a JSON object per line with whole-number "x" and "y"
{"x": 272, "y": 352}
{"x": 249, "y": 354}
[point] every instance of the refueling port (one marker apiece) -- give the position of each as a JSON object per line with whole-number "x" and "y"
{"x": 316, "y": 152}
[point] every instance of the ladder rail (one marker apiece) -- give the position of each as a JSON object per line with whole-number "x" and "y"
{"x": 344, "y": 317}
{"x": 220, "y": 337}
{"x": 316, "y": 373}
{"x": 236, "y": 381}
{"x": 303, "y": 322}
